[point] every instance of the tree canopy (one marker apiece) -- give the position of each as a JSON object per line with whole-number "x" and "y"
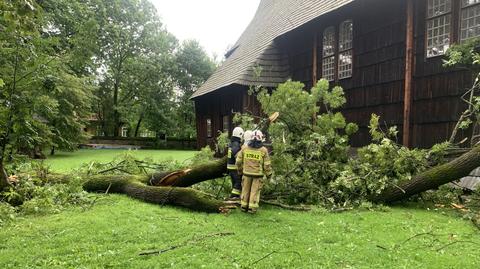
{"x": 66, "y": 65}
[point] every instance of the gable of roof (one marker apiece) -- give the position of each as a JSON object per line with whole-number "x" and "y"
{"x": 256, "y": 58}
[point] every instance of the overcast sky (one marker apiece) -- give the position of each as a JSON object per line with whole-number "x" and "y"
{"x": 216, "y": 24}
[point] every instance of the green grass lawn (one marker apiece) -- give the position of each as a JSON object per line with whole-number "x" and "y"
{"x": 116, "y": 229}
{"x": 65, "y": 161}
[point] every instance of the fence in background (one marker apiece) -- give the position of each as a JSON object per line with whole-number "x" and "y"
{"x": 142, "y": 142}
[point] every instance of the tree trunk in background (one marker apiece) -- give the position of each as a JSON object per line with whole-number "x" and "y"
{"x": 116, "y": 114}
{"x": 4, "y": 182}
{"x": 135, "y": 187}
{"x": 433, "y": 178}
{"x": 52, "y": 151}
{"x": 137, "y": 128}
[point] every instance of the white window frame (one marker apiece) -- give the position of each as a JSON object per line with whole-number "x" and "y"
{"x": 469, "y": 19}
{"x": 345, "y": 50}
{"x": 438, "y": 26}
{"x": 328, "y": 54}
{"x": 124, "y": 131}
{"x": 226, "y": 123}
{"x": 208, "y": 121}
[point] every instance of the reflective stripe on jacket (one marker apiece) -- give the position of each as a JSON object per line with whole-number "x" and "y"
{"x": 233, "y": 149}
{"x": 254, "y": 162}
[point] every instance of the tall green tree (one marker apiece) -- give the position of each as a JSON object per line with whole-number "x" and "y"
{"x": 130, "y": 31}
{"x": 20, "y": 63}
{"x": 74, "y": 25}
{"x": 37, "y": 102}
{"x": 74, "y": 96}
{"x": 194, "y": 67}
{"x": 153, "y": 83}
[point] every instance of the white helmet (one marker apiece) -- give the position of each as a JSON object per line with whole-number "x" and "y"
{"x": 247, "y": 136}
{"x": 257, "y": 135}
{"x": 238, "y": 132}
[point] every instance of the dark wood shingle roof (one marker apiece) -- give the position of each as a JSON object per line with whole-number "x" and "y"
{"x": 256, "y": 46}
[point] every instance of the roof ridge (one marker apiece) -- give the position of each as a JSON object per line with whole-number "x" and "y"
{"x": 272, "y": 19}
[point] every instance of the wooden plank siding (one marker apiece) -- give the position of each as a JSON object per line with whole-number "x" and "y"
{"x": 437, "y": 89}
{"x": 378, "y": 79}
{"x": 224, "y": 102}
{"x": 377, "y": 84}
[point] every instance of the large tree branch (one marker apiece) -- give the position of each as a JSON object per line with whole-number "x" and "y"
{"x": 170, "y": 188}
{"x": 469, "y": 113}
{"x": 432, "y": 178}
{"x": 135, "y": 187}
{"x": 189, "y": 177}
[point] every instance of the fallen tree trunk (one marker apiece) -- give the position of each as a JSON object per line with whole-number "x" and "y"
{"x": 172, "y": 185}
{"x": 432, "y": 178}
{"x": 170, "y": 188}
{"x": 189, "y": 177}
{"x": 208, "y": 171}
{"x": 134, "y": 186}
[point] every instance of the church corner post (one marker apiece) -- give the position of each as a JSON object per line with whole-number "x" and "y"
{"x": 409, "y": 60}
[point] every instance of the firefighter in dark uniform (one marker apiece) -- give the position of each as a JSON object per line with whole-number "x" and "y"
{"x": 234, "y": 147}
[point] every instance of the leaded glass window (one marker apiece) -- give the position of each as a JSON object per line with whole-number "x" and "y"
{"x": 328, "y": 62}
{"x": 439, "y": 7}
{"x": 345, "y": 45}
{"x": 209, "y": 128}
{"x": 345, "y": 64}
{"x": 469, "y": 2}
{"x": 438, "y": 27}
{"x": 470, "y": 19}
{"x": 226, "y": 123}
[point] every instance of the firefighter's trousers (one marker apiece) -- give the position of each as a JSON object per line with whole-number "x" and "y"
{"x": 236, "y": 182}
{"x": 251, "y": 187}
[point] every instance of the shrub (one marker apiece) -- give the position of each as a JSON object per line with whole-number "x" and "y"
{"x": 204, "y": 155}
{"x": 127, "y": 163}
{"x": 34, "y": 193}
{"x": 310, "y": 142}
{"x": 310, "y": 148}
{"x": 7, "y": 213}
